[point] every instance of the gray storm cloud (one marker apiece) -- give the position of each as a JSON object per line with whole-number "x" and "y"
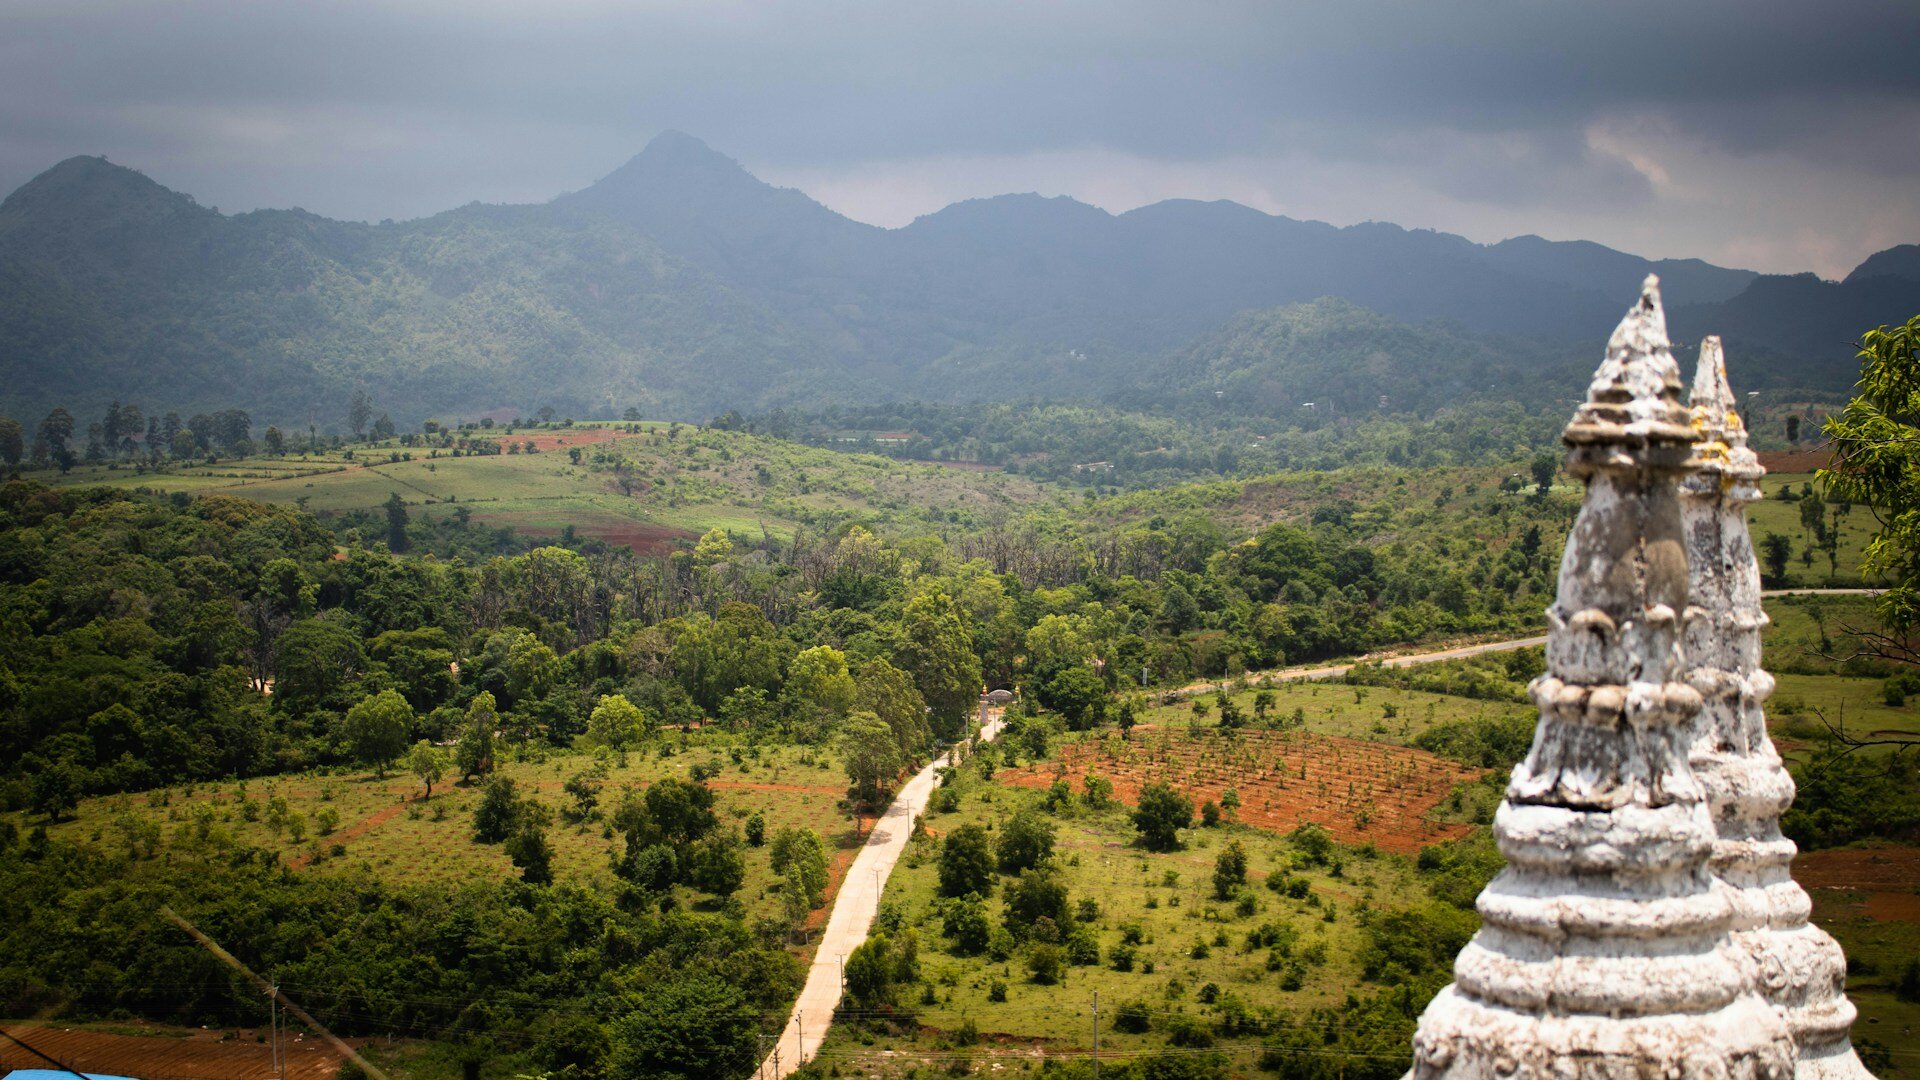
{"x": 1777, "y": 135}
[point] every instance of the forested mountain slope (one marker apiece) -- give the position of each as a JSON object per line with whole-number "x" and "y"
{"x": 681, "y": 285}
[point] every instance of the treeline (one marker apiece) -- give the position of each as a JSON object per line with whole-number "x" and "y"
{"x": 153, "y": 639}
{"x": 559, "y": 977}
{"x": 1107, "y": 445}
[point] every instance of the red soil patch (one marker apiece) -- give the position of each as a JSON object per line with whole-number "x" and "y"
{"x": 199, "y": 1055}
{"x": 560, "y": 440}
{"x": 1795, "y": 461}
{"x": 1361, "y": 792}
{"x": 356, "y": 830}
{"x": 1877, "y": 869}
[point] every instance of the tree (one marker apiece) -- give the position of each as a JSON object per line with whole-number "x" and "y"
{"x": 616, "y": 723}
{"x": 359, "y": 412}
{"x": 799, "y": 856}
{"x": 869, "y": 972}
{"x": 680, "y": 810}
{"x": 1229, "y": 870}
{"x": 498, "y": 812}
{"x": 966, "y": 862}
{"x": 1160, "y": 816}
{"x": 55, "y": 788}
{"x": 715, "y": 865}
{"x": 1876, "y": 463}
{"x": 1793, "y": 428}
{"x": 819, "y": 688}
{"x": 184, "y": 444}
{"x": 1026, "y": 841}
{"x": 1775, "y": 551}
{"x": 378, "y": 727}
{"x": 528, "y": 848}
{"x": 473, "y": 754}
{"x": 13, "y": 443}
{"x": 397, "y": 524}
{"x": 276, "y": 443}
{"x": 382, "y": 429}
{"x": 428, "y": 762}
{"x": 889, "y": 693}
{"x": 872, "y": 757}
{"x": 939, "y": 653}
{"x": 1544, "y": 466}
{"x": 689, "y": 1026}
{"x": 1035, "y": 895}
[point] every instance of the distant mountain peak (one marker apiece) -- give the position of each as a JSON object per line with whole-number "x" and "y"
{"x": 1902, "y": 261}
{"x": 94, "y": 192}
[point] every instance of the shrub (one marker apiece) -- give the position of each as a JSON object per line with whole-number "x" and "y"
{"x": 1133, "y": 1017}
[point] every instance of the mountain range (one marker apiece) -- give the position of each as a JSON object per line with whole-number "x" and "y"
{"x": 681, "y": 285}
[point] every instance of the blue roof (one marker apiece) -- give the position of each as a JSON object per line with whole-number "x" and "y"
{"x": 56, "y": 1074}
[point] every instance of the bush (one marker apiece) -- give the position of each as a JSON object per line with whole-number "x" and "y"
{"x": 1044, "y": 962}
{"x": 997, "y": 991}
{"x": 1133, "y": 1017}
{"x": 1188, "y": 1033}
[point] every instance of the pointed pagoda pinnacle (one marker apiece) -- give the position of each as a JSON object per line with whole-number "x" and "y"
{"x": 1794, "y": 965}
{"x": 1603, "y": 949}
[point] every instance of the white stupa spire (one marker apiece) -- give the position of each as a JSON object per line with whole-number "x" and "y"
{"x": 1604, "y": 948}
{"x": 1796, "y": 966}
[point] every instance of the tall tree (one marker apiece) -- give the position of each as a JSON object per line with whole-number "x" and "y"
{"x": 359, "y": 412}
{"x": 13, "y": 441}
{"x": 378, "y": 726}
{"x": 56, "y": 433}
{"x": 397, "y": 541}
{"x": 1876, "y": 463}
{"x": 939, "y": 653}
{"x": 872, "y": 757}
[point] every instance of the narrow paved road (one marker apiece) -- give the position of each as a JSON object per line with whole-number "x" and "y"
{"x": 1335, "y": 671}
{"x": 853, "y": 911}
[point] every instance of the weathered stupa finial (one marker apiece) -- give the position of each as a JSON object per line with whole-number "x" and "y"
{"x": 1603, "y": 949}
{"x": 1796, "y": 966}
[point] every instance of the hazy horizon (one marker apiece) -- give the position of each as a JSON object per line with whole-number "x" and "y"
{"x": 1773, "y": 137}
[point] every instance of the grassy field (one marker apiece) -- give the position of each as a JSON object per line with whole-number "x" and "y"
{"x": 1187, "y": 939}
{"x": 1772, "y": 515}
{"x": 681, "y": 481}
{"x": 385, "y": 827}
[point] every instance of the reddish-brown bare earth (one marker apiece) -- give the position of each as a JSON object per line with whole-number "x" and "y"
{"x": 177, "y": 1055}
{"x": 1361, "y": 792}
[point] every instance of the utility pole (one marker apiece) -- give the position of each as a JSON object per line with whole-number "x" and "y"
{"x": 1096, "y": 1035}
{"x": 273, "y": 1028}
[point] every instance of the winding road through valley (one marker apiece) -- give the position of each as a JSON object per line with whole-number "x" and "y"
{"x": 859, "y": 897}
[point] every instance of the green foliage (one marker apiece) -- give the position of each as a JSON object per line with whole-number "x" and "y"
{"x": 616, "y": 723}
{"x": 1036, "y": 895}
{"x": 1025, "y": 842}
{"x": 427, "y": 762}
{"x": 871, "y": 753}
{"x": 499, "y": 811}
{"x": 801, "y": 856}
{"x": 378, "y": 727}
{"x": 1876, "y": 462}
{"x": 966, "y": 862}
{"x": 686, "y": 1027}
{"x": 1229, "y": 870}
{"x": 1160, "y": 815}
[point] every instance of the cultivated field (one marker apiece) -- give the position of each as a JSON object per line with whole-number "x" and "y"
{"x": 1361, "y": 792}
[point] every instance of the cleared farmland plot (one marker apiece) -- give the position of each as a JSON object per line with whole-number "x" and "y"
{"x": 1361, "y": 792}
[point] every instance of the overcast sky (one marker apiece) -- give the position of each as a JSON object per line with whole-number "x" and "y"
{"x": 1780, "y": 135}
